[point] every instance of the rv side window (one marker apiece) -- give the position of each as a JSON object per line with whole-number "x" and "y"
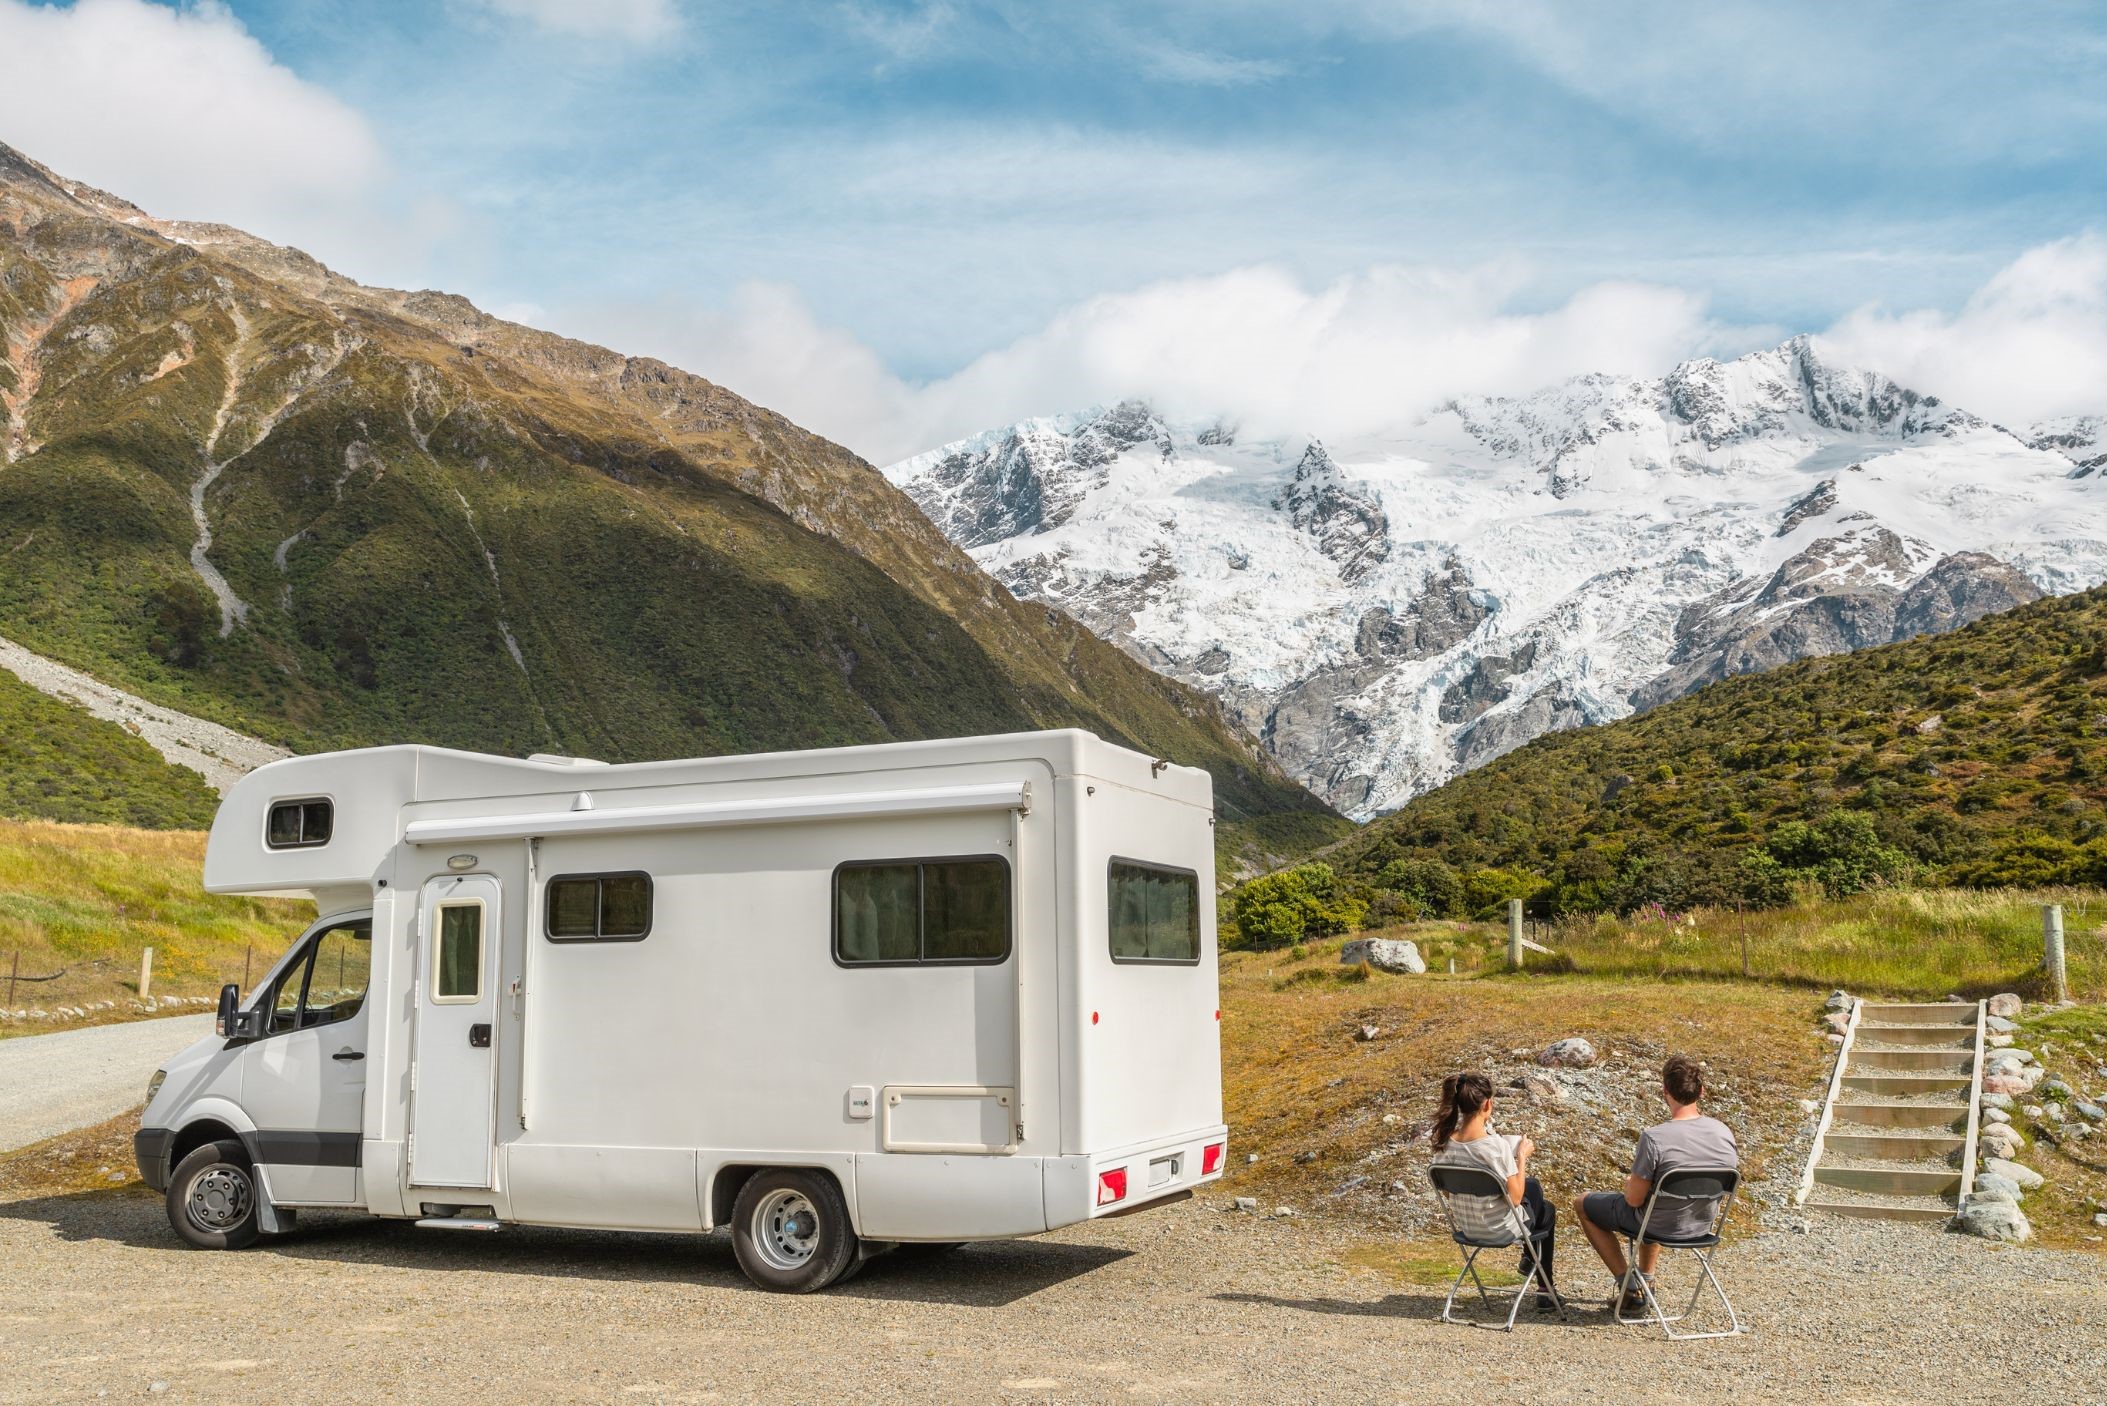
{"x": 912, "y": 912}
{"x": 599, "y": 907}
{"x": 299, "y": 824}
{"x": 1155, "y": 913}
{"x": 457, "y": 958}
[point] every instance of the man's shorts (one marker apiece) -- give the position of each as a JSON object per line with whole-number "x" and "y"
{"x": 1611, "y": 1211}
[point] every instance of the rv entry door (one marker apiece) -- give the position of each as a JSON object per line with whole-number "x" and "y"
{"x": 453, "y": 1093}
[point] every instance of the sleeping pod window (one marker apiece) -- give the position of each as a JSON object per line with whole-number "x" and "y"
{"x": 913, "y": 912}
{"x": 299, "y": 824}
{"x": 599, "y": 907}
{"x": 1155, "y": 913}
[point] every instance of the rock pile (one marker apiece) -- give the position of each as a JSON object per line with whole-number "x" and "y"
{"x": 2054, "y": 1109}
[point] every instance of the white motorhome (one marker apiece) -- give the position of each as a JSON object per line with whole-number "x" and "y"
{"x": 836, "y": 1000}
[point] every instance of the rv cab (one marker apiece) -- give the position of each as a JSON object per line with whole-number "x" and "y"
{"x": 834, "y": 1001}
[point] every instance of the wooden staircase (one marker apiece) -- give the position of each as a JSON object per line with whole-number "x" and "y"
{"x": 1896, "y": 1140}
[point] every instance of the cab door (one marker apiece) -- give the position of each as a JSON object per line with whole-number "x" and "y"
{"x": 303, "y": 1081}
{"x": 454, "y": 1074}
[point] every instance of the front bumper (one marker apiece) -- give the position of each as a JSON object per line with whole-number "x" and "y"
{"x": 150, "y": 1150}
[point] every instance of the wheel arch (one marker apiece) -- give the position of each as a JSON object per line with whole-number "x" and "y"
{"x": 727, "y": 1179}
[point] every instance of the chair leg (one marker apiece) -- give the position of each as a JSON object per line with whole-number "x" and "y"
{"x": 1448, "y": 1308}
{"x": 1734, "y": 1328}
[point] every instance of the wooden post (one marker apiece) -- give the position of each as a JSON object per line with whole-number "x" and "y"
{"x": 2052, "y": 951}
{"x": 13, "y": 971}
{"x": 1514, "y": 934}
{"x": 1742, "y": 913}
{"x": 146, "y": 972}
{"x": 247, "y": 956}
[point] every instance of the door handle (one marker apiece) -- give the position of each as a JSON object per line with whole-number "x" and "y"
{"x": 479, "y": 1037}
{"x": 348, "y": 1053}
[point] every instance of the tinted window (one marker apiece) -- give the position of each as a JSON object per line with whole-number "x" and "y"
{"x": 1154, "y": 914}
{"x": 299, "y": 824}
{"x": 599, "y": 907}
{"x": 458, "y": 964}
{"x": 931, "y": 910}
{"x": 327, "y": 981}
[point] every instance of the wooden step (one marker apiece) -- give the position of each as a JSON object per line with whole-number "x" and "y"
{"x": 1944, "y": 1037}
{"x": 1959, "y": 1013}
{"x": 1929, "y": 1146}
{"x": 1865, "y": 1061}
{"x": 1874, "y": 1210}
{"x": 1902, "y": 1115}
{"x": 1891, "y": 1182}
{"x": 1903, "y": 1084}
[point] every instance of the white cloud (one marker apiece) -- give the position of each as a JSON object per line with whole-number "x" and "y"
{"x": 632, "y": 20}
{"x": 2030, "y": 344}
{"x": 1209, "y": 70}
{"x": 1254, "y": 344}
{"x": 184, "y": 113}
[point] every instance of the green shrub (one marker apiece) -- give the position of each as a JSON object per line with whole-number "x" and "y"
{"x": 1291, "y": 905}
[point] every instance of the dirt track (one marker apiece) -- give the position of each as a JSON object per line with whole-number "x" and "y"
{"x": 1187, "y": 1304}
{"x": 69, "y": 1079}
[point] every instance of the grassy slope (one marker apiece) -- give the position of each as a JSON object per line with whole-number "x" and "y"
{"x": 59, "y": 762}
{"x": 683, "y": 573}
{"x": 86, "y": 899}
{"x": 1982, "y": 754}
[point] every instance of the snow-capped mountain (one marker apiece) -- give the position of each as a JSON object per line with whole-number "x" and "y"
{"x": 1387, "y": 611}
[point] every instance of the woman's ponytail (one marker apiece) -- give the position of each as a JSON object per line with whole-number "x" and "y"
{"x": 1462, "y": 1095}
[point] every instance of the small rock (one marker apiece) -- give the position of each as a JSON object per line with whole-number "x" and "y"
{"x": 1992, "y": 1187}
{"x": 1995, "y": 1220}
{"x": 1303, "y": 1159}
{"x": 1999, "y": 1025}
{"x": 1838, "y": 1001}
{"x": 2090, "y": 1112}
{"x": 1386, "y": 954}
{"x": 1250, "y": 1203}
{"x": 2053, "y": 1112}
{"x": 2006, "y": 1004}
{"x": 1835, "y": 1023}
{"x": 1998, "y": 1042}
{"x": 2027, "y": 1177}
{"x": 2057, "y": 1089}
{"x": 1250, "y": 1158}
{"x": 1540, "y": 1086}
{"x": 1283, "y": 1211}
{"x": 2100, "y": 1220}
{"x": 2003, "y": 1085}
{"x": 1391, "y": 1120}
{"x": 1808, "y": 1105}
{"x": 1997, "y": 1115}
{"x": 1572, "y": 1052}
{"x": 2035, "y": 1111}
{"x": 1996, "y": 1100}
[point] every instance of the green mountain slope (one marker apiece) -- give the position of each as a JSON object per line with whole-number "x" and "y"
{"x": 59, "y": 762}
{"x": 1976, "y": 758}
{"x": 428, "y": 524}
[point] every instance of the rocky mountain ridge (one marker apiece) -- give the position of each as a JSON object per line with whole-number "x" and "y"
{"x": 1387, "y": 611}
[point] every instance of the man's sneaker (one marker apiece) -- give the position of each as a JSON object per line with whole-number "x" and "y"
{"x": 1633, "y": 1303}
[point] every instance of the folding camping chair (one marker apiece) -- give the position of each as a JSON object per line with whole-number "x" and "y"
{"x": 1481, "y": 1226}
{"x": 1688, "y": 1185}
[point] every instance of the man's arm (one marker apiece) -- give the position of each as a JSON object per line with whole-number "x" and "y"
{"x": 1636, "y": 1190}
{"x": 1639, "y": 1184}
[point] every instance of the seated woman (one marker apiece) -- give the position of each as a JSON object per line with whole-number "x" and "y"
{"x": 1463, "y": 1137}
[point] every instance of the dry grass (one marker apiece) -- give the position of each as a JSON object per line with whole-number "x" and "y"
{"x": 89, "y": 1161}
{"x": 87, "y": 898}
{"x": 1303, "y": 1084}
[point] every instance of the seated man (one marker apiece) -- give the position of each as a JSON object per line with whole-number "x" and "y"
{"x": 1687, "y": 1139}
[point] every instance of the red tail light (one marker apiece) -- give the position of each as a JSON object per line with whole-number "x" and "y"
{"x": 1111, "y": 1186}
{"x": 1211, "y": 1158}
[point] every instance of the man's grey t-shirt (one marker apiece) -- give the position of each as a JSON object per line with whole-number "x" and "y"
{"x": 1672, "y": 1146}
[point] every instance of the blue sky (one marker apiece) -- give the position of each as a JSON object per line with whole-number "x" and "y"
{"x": 838, "y": 203}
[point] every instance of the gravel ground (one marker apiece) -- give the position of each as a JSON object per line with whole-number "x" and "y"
{"x": 50, "y": 1084}
{"x": 1190, "y": 1303}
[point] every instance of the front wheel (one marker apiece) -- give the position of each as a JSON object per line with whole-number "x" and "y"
{"x": 791, "y": 1232}
{"x": 214, "y": 1197}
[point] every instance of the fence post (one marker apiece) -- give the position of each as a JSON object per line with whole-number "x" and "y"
{"x": 13, "y": 971}
{"x": 146, "y": 972}
{"x": 1514, "y": 934}
{"x": 248, "y": 953}
{"x": 2052, "y": 950}
{"x": 1742, "y": 914}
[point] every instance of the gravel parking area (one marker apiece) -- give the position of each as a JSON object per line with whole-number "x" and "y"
{"x": 1191, "y": 1303}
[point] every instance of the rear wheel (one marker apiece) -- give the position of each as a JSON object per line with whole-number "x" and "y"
{"x": 214, "y": 1197}
{"x": 791, "y": 1232}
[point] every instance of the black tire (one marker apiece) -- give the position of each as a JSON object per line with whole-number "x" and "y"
{"x": 215, "y": 1197}
{"x": 778, "y": 1247}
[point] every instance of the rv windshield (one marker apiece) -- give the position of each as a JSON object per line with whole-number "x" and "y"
{"x": 326, "y": 980}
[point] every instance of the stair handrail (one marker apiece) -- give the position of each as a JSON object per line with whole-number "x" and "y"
{"x": 1975, "y": 1111}
{"x": 1836, "y": 1084}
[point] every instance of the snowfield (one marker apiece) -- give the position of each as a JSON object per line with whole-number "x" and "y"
{"x": 1386, "y": 611}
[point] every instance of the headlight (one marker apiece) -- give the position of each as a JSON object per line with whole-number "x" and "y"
{"x": 153, "y": 1085}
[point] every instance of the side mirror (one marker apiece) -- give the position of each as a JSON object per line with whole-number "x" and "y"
{"x": 229, "y": 1006}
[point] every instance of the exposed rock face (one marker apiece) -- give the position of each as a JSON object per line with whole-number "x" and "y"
{"x": 1387, "y": 612}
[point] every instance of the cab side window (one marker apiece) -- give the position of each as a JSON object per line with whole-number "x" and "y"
{"x": 326, "y": 983}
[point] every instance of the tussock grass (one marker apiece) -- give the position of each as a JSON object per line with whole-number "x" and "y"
{"x": 88, "y": 897}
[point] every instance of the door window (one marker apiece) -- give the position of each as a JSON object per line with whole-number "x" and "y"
{"x": 457, "y": 957}
{"x": 326, "y": 981}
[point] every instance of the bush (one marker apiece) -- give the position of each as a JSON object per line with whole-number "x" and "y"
{"x": 1486, "y": 891}
{"x": 1841, "y": 852}
{"x": 1431, "y": 885}
{"x": 1275, "y": 910}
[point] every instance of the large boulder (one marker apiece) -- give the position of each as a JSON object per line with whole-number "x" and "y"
{"x": 2027, "y": 1177}
{"x": 1385, "y": 954}
{"x": 1992, "y": 1187}
{"x": 1995, "y": 1220}
{"x": 2006, "y": 1004}
{"x": 1570, "y": 1053}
